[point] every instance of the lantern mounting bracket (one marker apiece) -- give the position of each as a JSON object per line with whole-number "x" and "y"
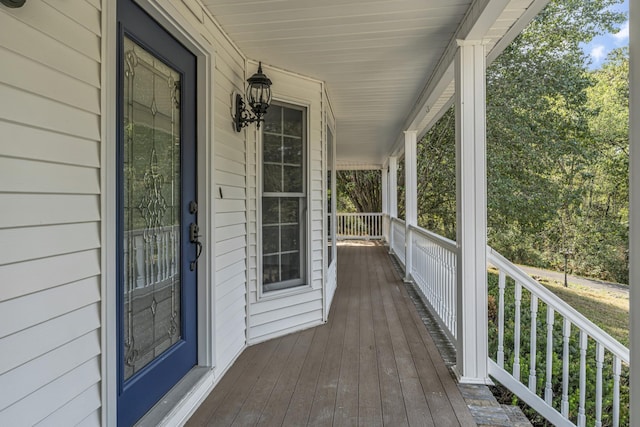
{"x": 242, "y": 116}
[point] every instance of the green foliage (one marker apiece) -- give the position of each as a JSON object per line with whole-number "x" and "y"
{"x": 359, "y": 191}
{"x": 557, "y": 360}
{"x": 557, "y": 149}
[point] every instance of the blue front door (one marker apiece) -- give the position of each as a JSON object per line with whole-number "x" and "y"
{"x": 156, "y": 212}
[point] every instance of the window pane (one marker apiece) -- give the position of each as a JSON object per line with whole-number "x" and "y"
{"x": 270, "y": 239}
{"x": 292, "y": 122}
{"x": 273, "y": 119}
{"x": 272, "y": 178}
{"x": 290, "y": 210}
{"x": 272, "y": 148}
{"x": 290, "y": 266}
{"x": 290, "y": 238}
{"x": 270, "y": 269}
{"x": 292, "y": 148}
{"x": 292, "y": 179}
{"x": 270, "y": 210}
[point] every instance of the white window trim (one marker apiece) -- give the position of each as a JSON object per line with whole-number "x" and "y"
{"x": 261, "y": 295}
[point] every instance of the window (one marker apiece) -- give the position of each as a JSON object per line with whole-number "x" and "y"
{"x": 283, "y": 198}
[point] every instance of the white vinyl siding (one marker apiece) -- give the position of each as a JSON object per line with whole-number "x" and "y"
{"x": 280, "y": 312}
{"x": 229, "y": 192}
{"x": 50, "y": 59}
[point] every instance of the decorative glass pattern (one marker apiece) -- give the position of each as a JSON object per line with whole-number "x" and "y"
{"x": 151, "y": 207}
{"x": 283, "y": 198}
{"x": 329, "y": 195}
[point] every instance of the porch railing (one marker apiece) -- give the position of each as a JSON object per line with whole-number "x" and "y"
{"x": 397, "y": 238}
{"x": 434, "y": 271}
{"x": 359, "y": 226}
{"x": 552, "y": 357}
{"x": 151, "y": 256}
{"x": 541, "y": 342}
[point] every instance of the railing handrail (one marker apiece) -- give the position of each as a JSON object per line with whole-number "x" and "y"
{"x": 359, "y": 213}
{"x": 558, "y": 304}
{"x": 394, "y": 219}
{"x": 447, "y": 244}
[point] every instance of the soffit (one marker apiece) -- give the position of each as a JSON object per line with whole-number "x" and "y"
{"x": 374, "y": 56}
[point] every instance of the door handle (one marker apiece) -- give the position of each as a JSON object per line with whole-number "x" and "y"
{"x": 194, "y": 238}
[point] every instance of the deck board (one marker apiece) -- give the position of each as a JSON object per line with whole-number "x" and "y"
{"x": 372, "y": 364}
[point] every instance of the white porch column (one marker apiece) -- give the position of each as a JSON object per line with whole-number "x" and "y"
{"x": 634, "y": 209}
{"x": 471, "y": 189}
{"x": 385, "y": 190}
{"x": 384, "y": 177}
{"x": 393, "y": 196}
{"x": 411, "y": 198}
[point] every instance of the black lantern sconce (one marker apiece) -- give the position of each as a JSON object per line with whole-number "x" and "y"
{"x": 258, "y": 97}
{"x": 13, "y": 3}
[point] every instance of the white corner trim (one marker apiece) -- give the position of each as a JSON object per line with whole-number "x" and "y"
{"x": 108, "y": 118}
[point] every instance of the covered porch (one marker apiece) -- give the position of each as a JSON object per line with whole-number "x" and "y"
{"x": 360, "y": 82}
{"x": 373, "y": 362}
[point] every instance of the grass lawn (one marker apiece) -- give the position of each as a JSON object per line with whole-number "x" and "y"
{"x": 609, "y": 310}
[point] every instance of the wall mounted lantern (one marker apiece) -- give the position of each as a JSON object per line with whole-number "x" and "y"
{"x": 13, "y": 3}
{"x": 258, "y": 97}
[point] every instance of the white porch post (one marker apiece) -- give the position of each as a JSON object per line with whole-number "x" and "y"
{"x": 385, "y": 190}
{"x": 411, "y": 198}
{"x": 471, "y": 189}
{"x": 634, "y": 210}
{"x": 384, "y": 177}
{"x": 393, "y": 196}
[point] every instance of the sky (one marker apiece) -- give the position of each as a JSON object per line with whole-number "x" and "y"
{"x": 602, "y": 45}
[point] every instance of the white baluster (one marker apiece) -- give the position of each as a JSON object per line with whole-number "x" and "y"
{"x": 165, "y": 254}
{"x": 501, "y": 283}
{"x": 548, "y": 391}
{"x": 533, "y": 343}
{"x": 583, "y": 370}
{"x": 566, "y": 333}
{"x": 140, "y": 270}
{"x": 516, "y": 335}
{"x": 599, "y": 363}
{"x": 616, "y": 391}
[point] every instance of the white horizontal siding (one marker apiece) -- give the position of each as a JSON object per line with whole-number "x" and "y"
{"x": 32, "y": 276}
{"x": 75, "y": 411}
{"x": 50, "y": 59}
{"x": 21, "y": 381}
{"x": 229, "y": 191}
{"x": 273, "y": 316}
{"x": 36, "y": 144}
{"x": 53, "y": 396}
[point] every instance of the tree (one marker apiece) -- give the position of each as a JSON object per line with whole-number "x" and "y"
{"x": 359, "y": 190}
{"x": 538, "y": 135}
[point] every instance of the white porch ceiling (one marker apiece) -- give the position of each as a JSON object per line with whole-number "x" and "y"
{"x": 378, "y": 58}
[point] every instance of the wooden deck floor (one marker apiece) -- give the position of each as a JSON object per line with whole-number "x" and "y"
{"x": 372, "y": 364}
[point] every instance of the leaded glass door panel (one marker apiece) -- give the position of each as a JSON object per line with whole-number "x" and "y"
{"x": 156, "y": 154}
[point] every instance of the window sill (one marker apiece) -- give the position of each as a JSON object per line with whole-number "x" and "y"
{"x": 283, "y": 293}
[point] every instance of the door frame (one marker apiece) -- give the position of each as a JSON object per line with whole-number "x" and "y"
{"x": 179, "y": 26}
